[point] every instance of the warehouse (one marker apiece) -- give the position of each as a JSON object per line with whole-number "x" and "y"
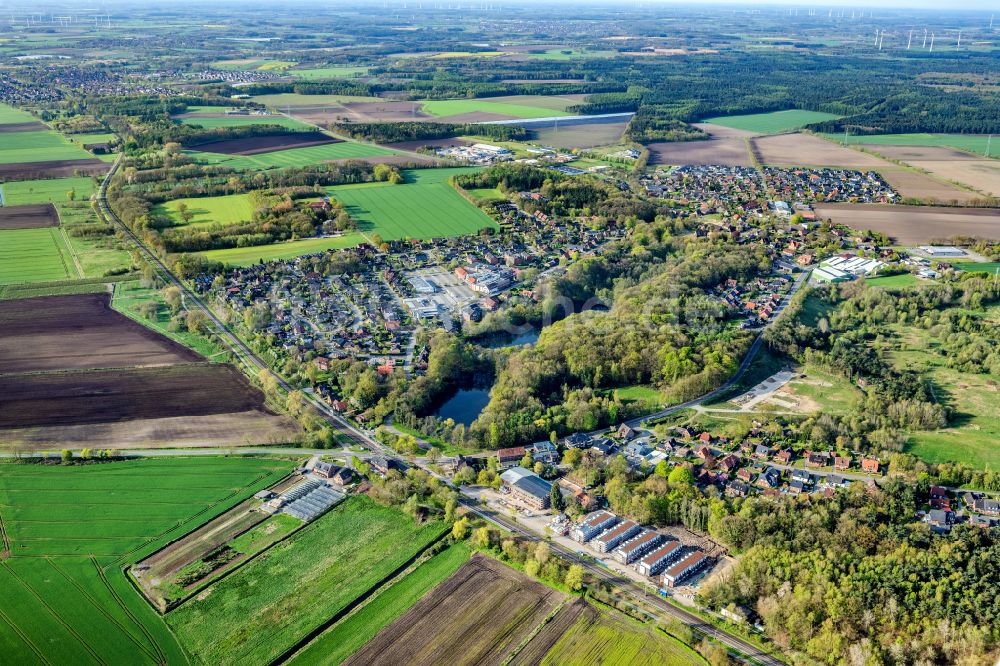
{"x": 592, "y": 525}
{"x": 694, "y": 562}
{"x": 608, "y": 541}
{"x": 655, "y": 562}
{"x": 527, "y": 487}
{"x": 637, "y": 546}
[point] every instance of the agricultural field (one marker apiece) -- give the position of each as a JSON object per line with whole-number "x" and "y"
{"x": 810, "y": 150}
{"x": 71, "y": 529}
{"x": 915, "y": 225}
{"x": 285, "y": 100}
{"x": 265, "y": 143}
{"x": 570, "y": 54}
{"x": 129, "y": 297}
{"x": 333, "y": 72}
{"x": 39, "y": 146}
{"x": 425, "y": 206}
{"x": 978, "y": 267}
{"x": 970, "y": 143}
{"x": 226, "y": 209}
{"x": 10, "y": 115}
{"x": 774, "y": 122}
{"x": 34, "y": 255}
{"x": 31, "y": 216}
{"x": 350, "y": 634}
{"x": 305, "y": 581}
{"x": 214, "y": 121}
{"x": 56, "y": 191}
{"x": 294, "y": 157}
{"x": 914, "y": 184}
{"x": 246, "y": 256}
{"x": 573, "y": 134}
{"x": 521, "y": 106}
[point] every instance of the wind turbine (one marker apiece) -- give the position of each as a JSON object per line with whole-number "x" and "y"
{"x": 908, "y": 40}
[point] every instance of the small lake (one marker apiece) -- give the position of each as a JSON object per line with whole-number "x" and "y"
{"x": 465, "y": 406}
{"x": 498, "y": 340}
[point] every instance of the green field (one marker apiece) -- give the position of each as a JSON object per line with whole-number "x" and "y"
{"x": 901, "y": 281}
{"x": 570, "y": 54}
{"x": 487, "y": 194}
{"x": 282, "y": 100}
{"x": 12, "y": 116}
{"x": 294, "y": 157}
{"x": 553, "y": 106}
{"x": 349, "y": 635}
{"x": 130, "y": 295}
{"x": 44, "y": 146}
{"x": 71, "y": 530}
{"x": 97, "y": 137}
{"x": 772, "y": 123}
{"x": 426, "y": 206}
{"x": 262, "y": 609}
{"x": 344, "y": 72}
{"x": 228, "y": 209}
{"x": 34, "y": 255}
{"x": 978, "y": 267}
{"x": 974, "y": 143}
{"x": 246, "y": 256}
{"x": 56, "y": 190}
{"x": 242, "y": 121}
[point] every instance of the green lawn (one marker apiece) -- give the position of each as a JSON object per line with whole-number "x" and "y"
{"x": 228, "y": 209}
{"x": 640, "y": 393}
{"x": 259, "y": 611}
{"x": 973, "y": 143}
{"x": 772, "y": 123}
{"x": 351, "y": 634}
{"x": 426, "y": 206}
{"x": 34, "y": 255}
{"x": 71, "y": 530}
{"x": 454, "y": 107}
{"x": 344, "y": 72}
{"x": 294, "y": 157}
{"x": 12, "y": 116}
{"x": 44, "y": 146}
{"x": 246, "y": 256}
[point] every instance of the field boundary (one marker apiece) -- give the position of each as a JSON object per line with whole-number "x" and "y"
{"x": 128, "y": 612}
{"x": 358, "y": 601}
{"x": 4, "y": 540}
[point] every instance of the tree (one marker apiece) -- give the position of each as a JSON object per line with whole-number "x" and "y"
{"x": 526, "y": 460}
{"x": 460, "y": 529}
{"x": 539, "y": 468}
{"x": 71, "y": 195}
{"x": 663, "y": 469}
{"x": 481, "y": 538}
{"x": 542, "y": 552}
{"x": 86, "y": 454}
{"x": 574, "y": 577}
{"x": 173, "y": 297}
{"x": 556, "y": 498}
{"x": 67, "y": 455}
{"x": 196, "y": 321}
{"x": 449, "y": 508}
{"x": 681, "y": 476}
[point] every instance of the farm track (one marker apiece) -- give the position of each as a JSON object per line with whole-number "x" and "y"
{"x": 24, "y": 637}
{"x": 5, "y": 553}
{"x": 121, "y": 604}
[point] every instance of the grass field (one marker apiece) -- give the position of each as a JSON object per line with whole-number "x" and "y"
{"x": 772, "y": 123}
{"x": 227, "y": 209}
{"x": 246, "y": 256}
{"x": 71, "y": 528}
{"x": 243, "y": 121}
{"x": 13, "y": 116}
{"x": 454, "y": 107}
{"x": 44, "y": 146}
{"x": 294, "y": 157}
{"x": 344, "y": 72}
{"x": 900, "y": 281}
{"x": 95, "y": 137}
{"x": 975, "y": 267}
{"x": 34, "y": 255}
{"x": 129, "y": 296}
{"x": 487, "y": 194}
{"x": 426, "y": 206}
{"x": 261, "y": 610}
{"x": 570, "y": 54}
{"x": 56, "y": 190}
{"x": 346, "y": 637}
{"x": 282, "y": 100}
{"x": 975, "y": 143}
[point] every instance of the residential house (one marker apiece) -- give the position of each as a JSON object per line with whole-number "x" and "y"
{"x": 841, "y": 463}
{"x": 511, "y": 457}
{"x": 870, "y": 465}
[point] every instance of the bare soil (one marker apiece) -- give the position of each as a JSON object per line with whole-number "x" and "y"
{"x": 543, "y": 642}
{"x": 728, "y": 152}
{"x": 257, "y": 145}
{"x": 478, "y": 616}
{"x": 33, "y": 216}
{"x": 361, "y": 112}
{"x": 433, "y": 143}
{"x": 79, "y": 332}
{"x": 916, "y": 185}
{"x": 722, "y": 132}
{"x": 53, "y": 169}
{"x": 914, "y": 225}
{"x": 920, "y": 153}
{"x": 121, "y": 394}
{"x": 983, "y": 175}
{"x": 23, "y": 127}
{"x": 809, "y": 150}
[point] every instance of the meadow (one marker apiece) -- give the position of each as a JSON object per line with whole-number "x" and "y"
{"x": 246, "y": 256}
{"x": 34, "y": 255}
{"x": 425, "y": 206}
{"x": 347, "y": 636}
{"x": 343, "y": 72}
{"x": 129, "y": 296}
{"x": 294, "y": 157}
{"x": 973, "y": 143}
{"x": 55, "y": 190}
{"x": 226, "y": 209}
{"x": 453, "y": 107}
{"x": 262, "y": 609}
{"x": 772, "y": 123}
{"x": 70, "y": 531}
{"x": 42, "y": 146}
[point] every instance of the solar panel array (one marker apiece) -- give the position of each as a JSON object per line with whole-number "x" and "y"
{"x": 314, "y": 503}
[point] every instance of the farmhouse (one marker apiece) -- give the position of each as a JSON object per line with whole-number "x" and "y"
{"x": 638, "y": 546}
{"x": 527, "y": 487}
{"x": 592, "y": 525}
{"x": 507, "y": 458}
{"x": 658, "y": 560}
{"x": 608, "y": 541}
{"x": 690, "y": 565}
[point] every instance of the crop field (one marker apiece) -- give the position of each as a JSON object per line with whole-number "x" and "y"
{"x": 73, "y": 332}
{"x": 978, "y": 267}
{"x": 914, "y": 225}
{"x": 266, "y": 143}
{"x": 294, "y": 157}
{"x": 213, "y": 121}
{"x": 426, "y": 206}
{"x": 261, "y": 610}
{"x": 92, "y": 166}
{"x": 983, "y": 175}
{"x": 810, "y": 150}
{"x": 227, "y": 209}
{"x": 570, "y": 54}
{"x": 515, "y": 107}
{"x": 247, "y": 256}
{"x": 584, "y": 135}
{"x": 344, "y": 72}
{"x": 10, "y": 115}
{"x": 34, "y": 255}
{"x": 54, "y": 191}
{"x": 71, "y": 528}
{"x": 31, "y": 216}
{"x": 917, "y": 185}
{"x": 41, "y": 146}
{"x": 349, "y": 635}
{"x": 725, "y": 151}
{"x": 775, "y": 122}
{"x": 95, "y": 137}
{"x": 479, "y": 615}
{"x": 972, "y": 143}
{"x": 284, "y": 100}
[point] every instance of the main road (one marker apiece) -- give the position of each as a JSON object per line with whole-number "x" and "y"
{"x": 740, "y": 648}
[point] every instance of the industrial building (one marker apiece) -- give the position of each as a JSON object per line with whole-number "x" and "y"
{"x": 607, "y": 542}
{"x": 694, "y": 562}
{"x": 658, "y": 560}
{"x": 592, "y": 525}
{"x": 637, "y": 546}
{"x": 527, "y": 487}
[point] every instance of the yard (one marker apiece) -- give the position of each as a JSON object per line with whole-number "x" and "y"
{"x": 425, "y": 206}
{"x": 774, "y": 122}
{"x": 258, "y": 612}
{"x": 70, "y": 529}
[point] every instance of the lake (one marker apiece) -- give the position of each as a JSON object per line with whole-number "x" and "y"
{"x": 501, "y": 339}
{"x": 465, "y": 406}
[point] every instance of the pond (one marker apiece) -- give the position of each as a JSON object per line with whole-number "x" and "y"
{"x": 502, "y": 339}
{"x": 465, "y": 406}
